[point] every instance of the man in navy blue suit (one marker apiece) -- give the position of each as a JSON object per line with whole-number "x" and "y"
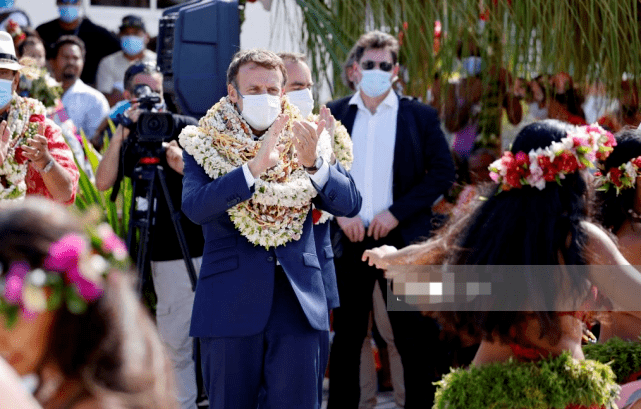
{"x": 402, "y": 165}
{"x": 299, "y": 91}
{"x": 251, "y": 174}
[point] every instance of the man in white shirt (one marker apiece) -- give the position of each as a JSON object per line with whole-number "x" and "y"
{"x": 402, "y": 165}
{"x": 86, "y": 106}
{"x": 111, "y": 70}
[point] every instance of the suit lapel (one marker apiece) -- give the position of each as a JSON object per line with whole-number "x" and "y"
{"x": 349, "y": 117}
{"x": 402, "y": 156}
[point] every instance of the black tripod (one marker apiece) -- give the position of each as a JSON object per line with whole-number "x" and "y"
{"x": 145, "y": 177}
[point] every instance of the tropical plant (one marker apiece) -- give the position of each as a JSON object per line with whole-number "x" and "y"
{"x": 592, "y": 40}
{"x": 89, "y": 198}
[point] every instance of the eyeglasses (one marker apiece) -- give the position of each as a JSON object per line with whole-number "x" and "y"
{"x": 384, "y": 65}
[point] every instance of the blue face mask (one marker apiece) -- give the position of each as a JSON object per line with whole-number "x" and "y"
{"x": 132, "y": 45}
{"x": 6, "y": 3}
{"x": 6, "y": 93}
{"x": 375, "y": 82}
{"x": 69, "y": 14}
{"x": 472, "y": 65}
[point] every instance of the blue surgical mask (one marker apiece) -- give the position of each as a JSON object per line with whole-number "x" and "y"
{"x": 6, "y": 92}
{"x": 472, "y": 65}
{"x": 69, "y": 14}
{"x": 375, "y": 82}
{"x": 132, "y": 45}
{"x": 6, "y": 3}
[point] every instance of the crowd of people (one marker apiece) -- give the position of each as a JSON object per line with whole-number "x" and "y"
{"x": 302, "y": 226}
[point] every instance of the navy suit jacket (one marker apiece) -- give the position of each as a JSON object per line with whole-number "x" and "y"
{"x": 236, "y": 282}
{"x": 423, "y": 166}
{"x": 323, "y": 238}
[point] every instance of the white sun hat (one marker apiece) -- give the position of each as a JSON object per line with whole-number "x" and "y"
{"x": 8, "y": 59}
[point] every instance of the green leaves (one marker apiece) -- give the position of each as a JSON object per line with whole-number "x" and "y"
{"x": 549, "y": 383}
{"x": 623, "y": 356}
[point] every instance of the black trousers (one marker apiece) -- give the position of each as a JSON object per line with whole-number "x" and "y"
{"x": 416, "y": 336}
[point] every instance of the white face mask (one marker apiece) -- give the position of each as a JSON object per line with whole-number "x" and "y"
{"x": 260, "y": 111}
{"x": 303, "y": 100}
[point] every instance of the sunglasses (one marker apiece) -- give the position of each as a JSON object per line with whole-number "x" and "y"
{"x": 384, "y": 65}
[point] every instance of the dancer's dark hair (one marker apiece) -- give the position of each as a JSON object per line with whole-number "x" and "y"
{"x": 612, "y": 209}
{"x": 521, "y": 228}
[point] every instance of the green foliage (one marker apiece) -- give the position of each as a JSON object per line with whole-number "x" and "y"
{"x": 549, "y": 383}
{"x": 623, "y": 356}
{"x": 89, "y": 197}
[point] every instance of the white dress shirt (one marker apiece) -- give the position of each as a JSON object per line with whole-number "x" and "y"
{"x": 374, "y": 136}
{"x": 86, "y": 107}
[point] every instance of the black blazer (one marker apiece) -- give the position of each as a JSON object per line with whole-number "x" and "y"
{"x": 423, "y": 167}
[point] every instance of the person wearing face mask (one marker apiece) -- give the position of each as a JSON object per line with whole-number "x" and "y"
{"x": 99, "y": 41}
{"x": 34, "y": 158}
{"x": 299, "y": 93}
{"x": 253, "y": 169}
{"x": 402, "y": 165}
{"x": 133, "y": 41}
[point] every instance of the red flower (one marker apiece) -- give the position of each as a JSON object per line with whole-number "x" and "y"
{"x": 550, "y": 169}
{"x": 597, "y": 173}
{"x": 615, "y": 176}
{"x": 637, "y": 162}
{"x": 316, "y": 215}
{"x": 405, "y": 25}
{"x": 568, "y": 162}
{"x": 513, "y": 179}
{"x": 37, "y": 118}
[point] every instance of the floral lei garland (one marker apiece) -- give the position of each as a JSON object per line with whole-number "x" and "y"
{"x": 622, "y": 177}
{"x": 72, "y": 274}
{"x": 578, "y": 150}
{"x": 555, "y": 382}
{"x": 13, "y": 170}
{"x": 343, "y": 150}
{"x": 276, "y": 212}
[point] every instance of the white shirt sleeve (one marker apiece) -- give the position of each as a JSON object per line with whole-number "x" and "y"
{"x": 321, "y": 176}
{"x": 249, "y": 178}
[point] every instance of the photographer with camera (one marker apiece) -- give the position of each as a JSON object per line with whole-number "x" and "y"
{"x": 145, "y": 136}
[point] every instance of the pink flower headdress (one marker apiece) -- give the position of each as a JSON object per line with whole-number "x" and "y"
{"x": 72, "y": 275}
{"x": 621, "y": 177}
{"x": 578, "y": 150}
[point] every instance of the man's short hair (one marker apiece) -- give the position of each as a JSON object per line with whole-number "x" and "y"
{"x": 293, "y": 57}
{"x": 137, "y": 68}
{"x": 349, "y": 61}
{"x": 376, "y": 40}
{"x": 260, "y": 57}
{"x": 68, "y": 39}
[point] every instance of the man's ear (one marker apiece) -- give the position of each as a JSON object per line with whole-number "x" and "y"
{"x": 233, "y": 94}
{"x": 395, "y": 70}
{"x": 127, "y": 95}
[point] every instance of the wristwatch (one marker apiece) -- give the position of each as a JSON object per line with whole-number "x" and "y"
{"x": 317, "y": 164}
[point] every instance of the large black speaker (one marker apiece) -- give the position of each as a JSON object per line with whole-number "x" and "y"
{"x": 196, "y": 41}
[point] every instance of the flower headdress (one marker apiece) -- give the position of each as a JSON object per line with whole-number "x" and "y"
{"x": 621, "y": 177}
{"x": 578, "y": 150}
{"x": 72, "y": 275}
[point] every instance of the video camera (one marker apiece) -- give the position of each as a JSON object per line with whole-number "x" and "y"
{"x": 153, "y": 127}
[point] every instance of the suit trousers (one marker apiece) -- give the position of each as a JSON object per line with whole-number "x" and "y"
{"x": 276, "y": 368}
{"x": 416, "y": 336}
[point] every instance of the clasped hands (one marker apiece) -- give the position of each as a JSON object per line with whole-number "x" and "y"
{"x": 305, "y": 140}
{"x": 35, "y": 149}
